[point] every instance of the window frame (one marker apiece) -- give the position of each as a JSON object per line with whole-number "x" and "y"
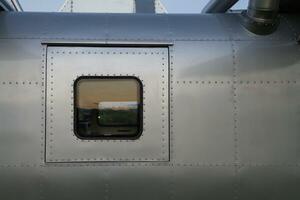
{"x": 140, "y": 121}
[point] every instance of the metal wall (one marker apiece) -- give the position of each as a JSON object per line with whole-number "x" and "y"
{"x": 234, "y": 109}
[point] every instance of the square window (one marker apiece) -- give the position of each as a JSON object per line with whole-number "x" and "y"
{"x": 108, "y": 107}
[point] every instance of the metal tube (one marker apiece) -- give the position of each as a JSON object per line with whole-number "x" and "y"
{"x": 261, "y": 16}
{"x": 10, "y": 5}
{"x": 6, "y": 6}
{"x": 17, "y": 5}
{"x": 218, "y": 6}
{"x": 266, "y": 5}
{"x": 263, "y": 10}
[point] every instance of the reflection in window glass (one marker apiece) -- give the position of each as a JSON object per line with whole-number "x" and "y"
{"x": 108, "y": 107}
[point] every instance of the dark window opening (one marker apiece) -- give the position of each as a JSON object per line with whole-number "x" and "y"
{"x": 108, "y": 107}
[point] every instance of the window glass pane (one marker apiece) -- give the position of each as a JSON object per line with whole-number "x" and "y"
{"x": 108, "y": 107}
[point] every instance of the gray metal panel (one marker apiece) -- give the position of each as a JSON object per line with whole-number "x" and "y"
{"x": 71, "y": 182}
{"x": 203, "y": 61}
{"x": 203, "y": 123}
{"x": 20, "y": 60}
{"x": 144, "y": 27}
{"x": 59, "y": 25}
{"x": 268, "y": 123}
{"x": 141, "y": 26}
{"x": 256, "y": 61}
{"x": 65, "y": 64}
{"x": 20, "y": 183}
{"x": 139, "y": 182}
{"x": 194, "y": 183}
{"x": 20, "y": 122}
{"x": 274, "y": 183}
{"x": 196, "y": 27}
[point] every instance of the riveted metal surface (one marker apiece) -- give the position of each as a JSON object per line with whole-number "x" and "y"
{"x": 17, "y": 58}
{"x": 65, "y": 64}
{"x": 213, "y": 28}
{"x": 65, "y": 26}
{"x": 20, "y": 183}
{"x": 139, "y": 182}
{"x": 274, "y": 183}
{"x": 234, "y": 108}
{"x": 159, "y": 26}
{"x": 255, "y": 61}
{"x": 20, "y": 134}
{"x": 269, "y": 123}
{"x": 202, "y": 61}
{"x": 75, "y": 183}
{"x": 196, "y": 183}
{"x": 203, "y": 120}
